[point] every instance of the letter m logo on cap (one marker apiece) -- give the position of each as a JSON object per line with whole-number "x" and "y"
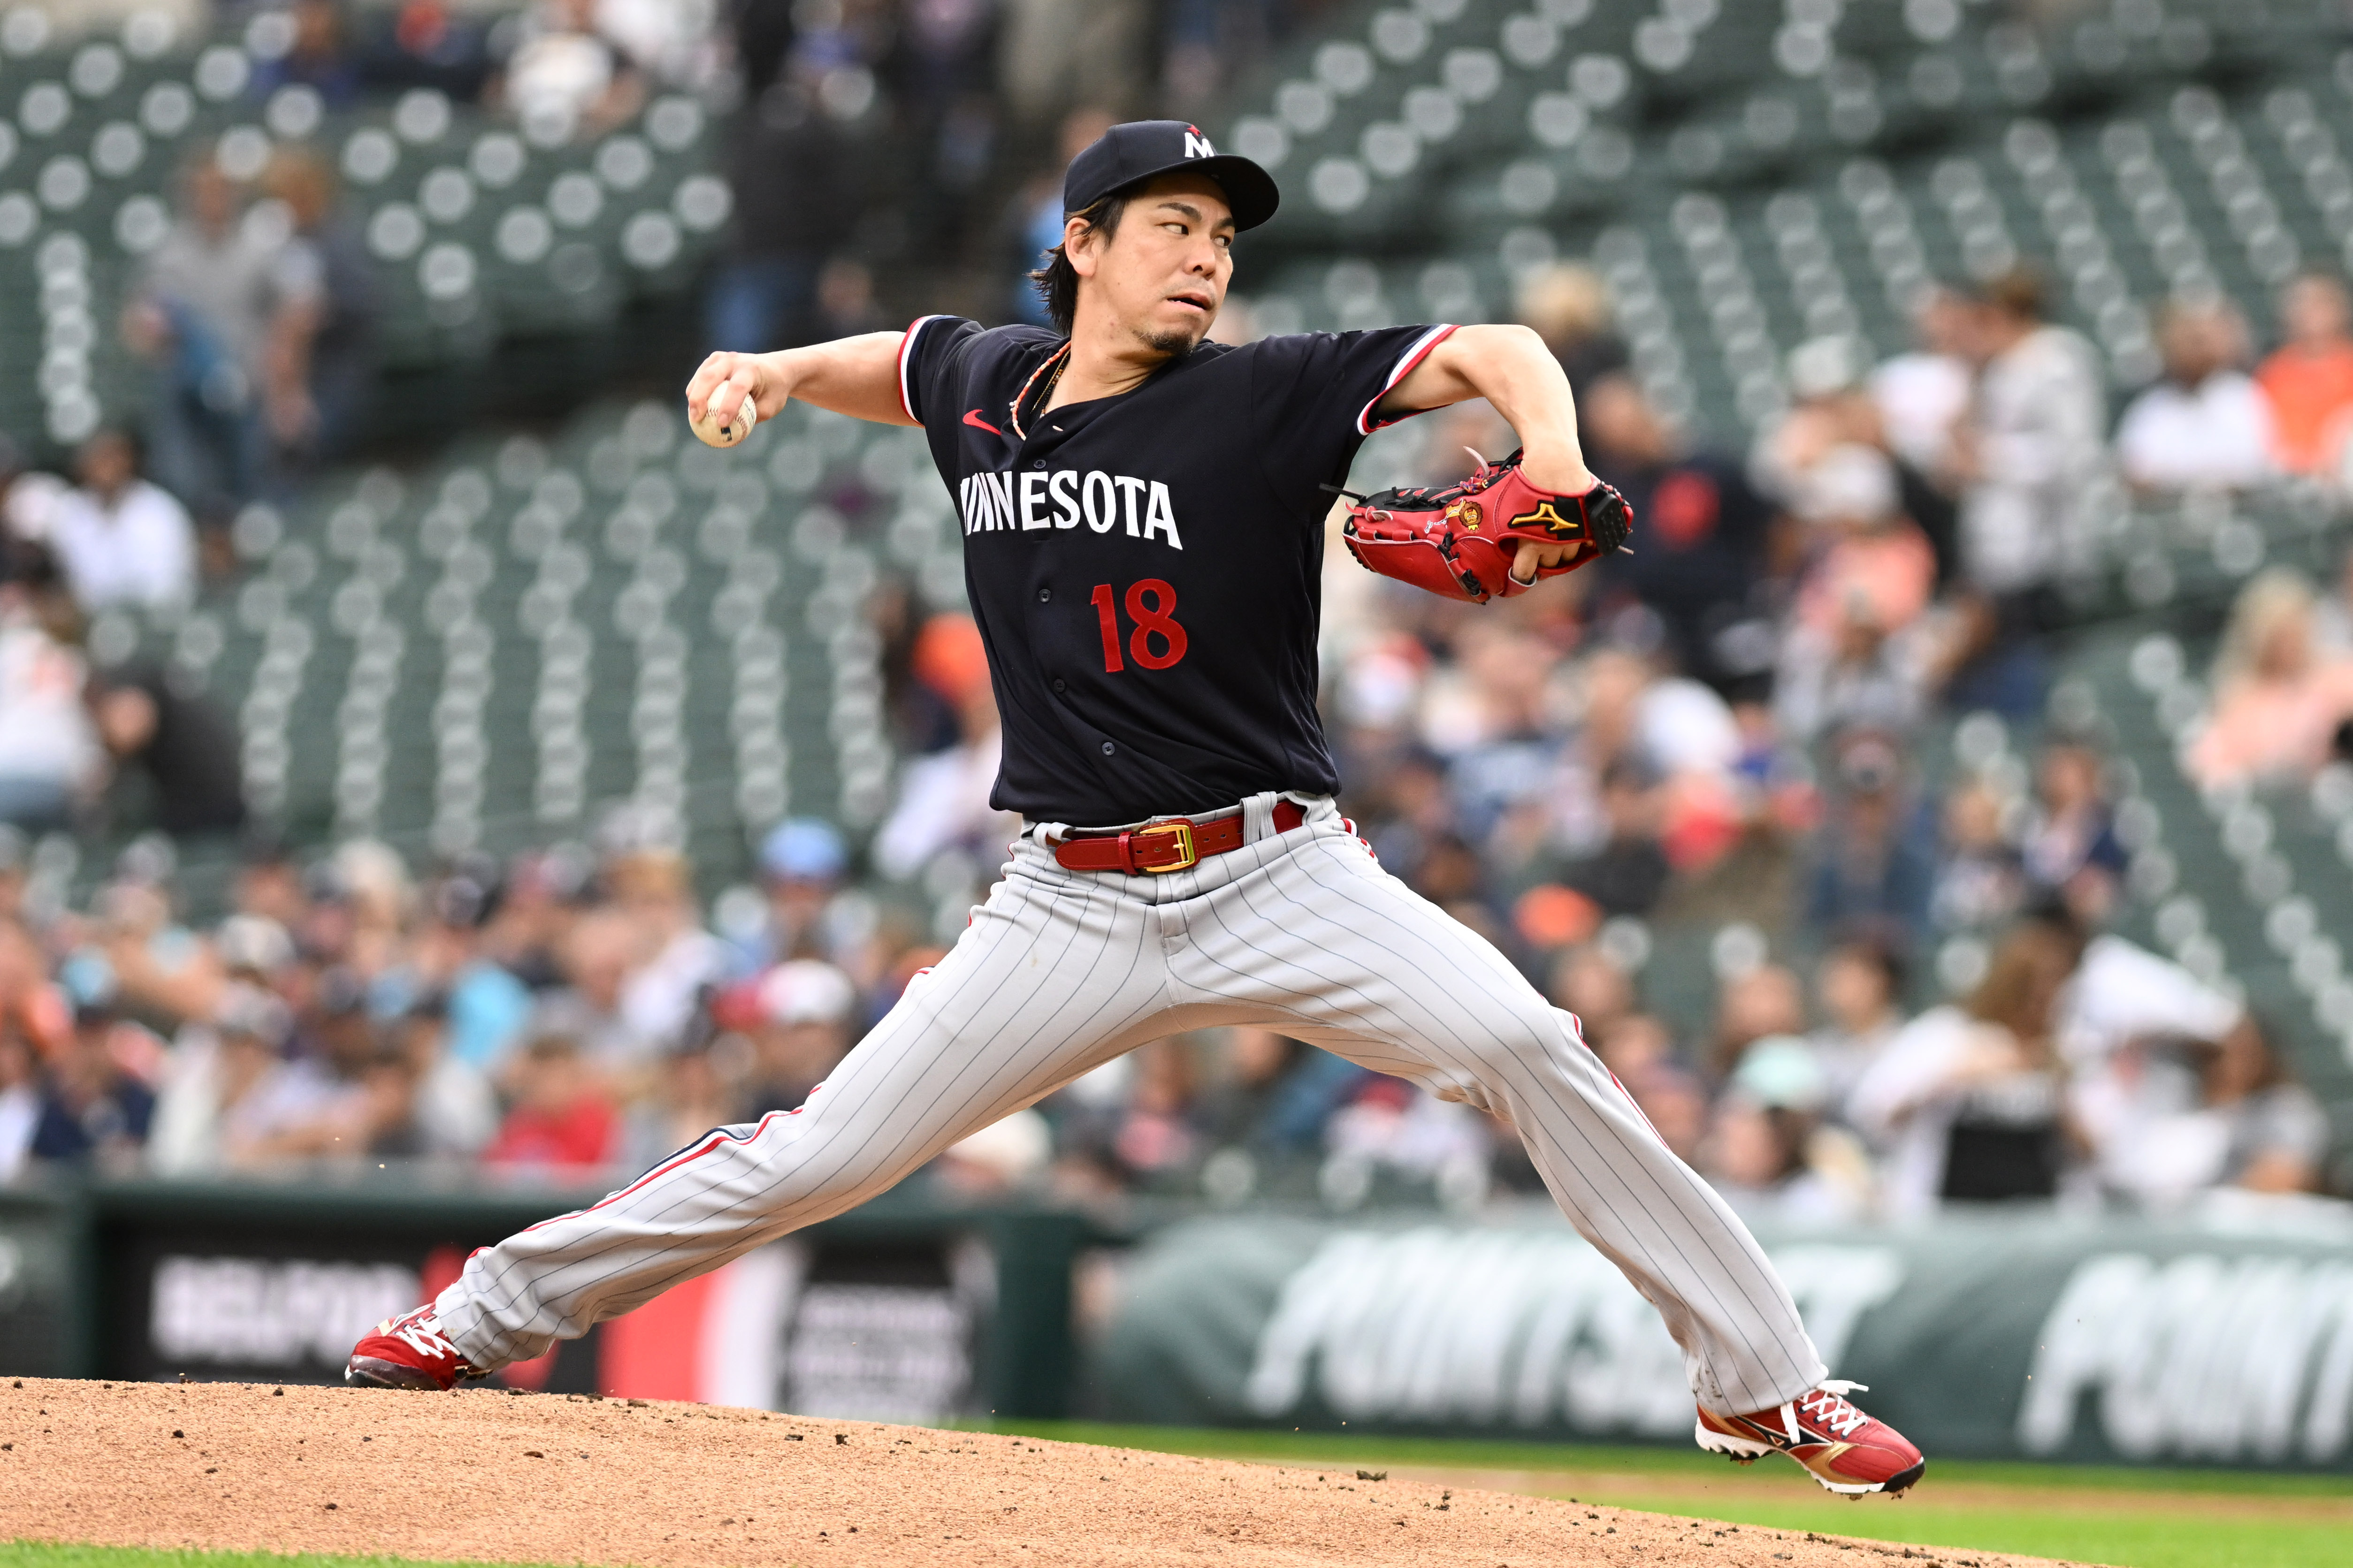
{"x": 1198, "y": 145}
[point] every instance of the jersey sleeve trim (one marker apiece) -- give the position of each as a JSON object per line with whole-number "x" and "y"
{"x": 906, "y": 354}
{"x": 1414, "y": 355}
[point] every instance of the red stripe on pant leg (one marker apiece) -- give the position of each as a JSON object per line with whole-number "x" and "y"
{"x": 661, "y": 1170}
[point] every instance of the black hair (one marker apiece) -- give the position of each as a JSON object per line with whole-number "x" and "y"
{"x": 1057, "y": 282}
{"x": 1873, "y": 943}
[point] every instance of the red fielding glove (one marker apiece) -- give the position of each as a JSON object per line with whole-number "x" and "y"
{"x": 1458, "y": 541}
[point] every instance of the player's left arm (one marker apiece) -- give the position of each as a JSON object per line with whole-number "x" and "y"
{"x": 1510, "y": 368}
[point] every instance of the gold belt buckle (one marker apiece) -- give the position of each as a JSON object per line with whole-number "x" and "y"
{"x": 1181, "y": 830}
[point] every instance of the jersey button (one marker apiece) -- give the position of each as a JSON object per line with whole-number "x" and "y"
{"x": 1109, "y": 748}
{"x": 1058, "y": 686}
{"x": 1038, "y": 464}
{"x": 1045, "y": 595}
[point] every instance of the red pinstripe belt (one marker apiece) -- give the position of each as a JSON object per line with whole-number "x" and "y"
{"x": 1160, "y": 847}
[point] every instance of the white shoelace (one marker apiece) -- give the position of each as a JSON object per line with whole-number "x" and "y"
{"x": 423, "y": 1335}
{"x": 1827, "y": 1405}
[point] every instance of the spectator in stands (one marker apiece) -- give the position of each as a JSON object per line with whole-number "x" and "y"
{"x": 1923, "y": 395}
{"x": 1673, "y": 1100}
{"x": 803, "y": 863}
{"x": 1586, "y": 981}
{"x": 794, "y": 167}
{"x": 940, "y": 79}
{"x": 2204, "y": 427}
{"x": 1969, "y": 1101}
{"x": 1628, "y": 871}
{"x": 846, "y": 305}
{"x": 1981, "y": 876}
{"x": 1849, "y": 655}
{"x": 33, "y": 1004}
{"x": 2033, "y": 440}
{"x": 1008, "y": 1156}
{"x": 1034, "y": 221}
{"x": 1501, "y": 736}
{"x": 218, "y": 1066}
{"x": 2028, "y": 459}
{"x": 48, "y": 752}
{"x": 430, "y": 44}
{"x": 2181, "y": 1115}
{"x": 485, "y": 1006}
{"x": 1702, "y": 567}
{"x": 1153, "y": 1141}
{"x": 1767, "y": 1152}
{"x": 565, "y": 77}
{"x": 1394, "y": 1127}
{"x": 1569, "y": 305}
{"x": 1754, "y": 1002}
{"x": 319, "y": 57}
{"x": 2307, "y": 380}
{"x": 698, "y": 1090}
{"x": 315, "y": 1104}
{"x": 1866, "y": 560}
{"x": 135, "y": 952}
{"x": 179, "y": 741}
{"x": 672, "y": 960}
{"x": 1873, "y": 865}
{"x": 93, "y": 1109}
{"x": 807, "y": 1009}
{"x": 563, "y": 1125}
{"x": 452, "y": 1111}
{"x": 29, "y": 500}
{"x": 321, "y": 357}
{"x": 1833, "y": 423}
{"x": 2278, "y": 698}
{"x": 1859, "y": 985}
{"x": 1053, "y": 52}
{"x": 944, "y": 798}
{"x": 2071, "y": 851}
{"x": 595, "y": 955}
{"x": 201, "y": 314}
{"x": 1274, "y": 1095}
{"x": 545, "y": 893}
{"x": 119, "y": 538}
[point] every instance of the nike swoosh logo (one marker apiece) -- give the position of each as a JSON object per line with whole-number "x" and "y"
{"x": 978, "y": 423}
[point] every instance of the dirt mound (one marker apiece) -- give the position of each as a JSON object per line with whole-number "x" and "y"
{"x": 559, "y": 1478}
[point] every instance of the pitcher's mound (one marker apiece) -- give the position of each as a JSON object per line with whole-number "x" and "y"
{"x": 559, "y": 1478}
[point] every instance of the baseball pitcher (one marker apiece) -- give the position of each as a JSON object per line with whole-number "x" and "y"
{"x": 1142, "y": 515}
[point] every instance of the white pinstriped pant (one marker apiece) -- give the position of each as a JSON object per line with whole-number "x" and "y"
{"x": 1061, "y": 971}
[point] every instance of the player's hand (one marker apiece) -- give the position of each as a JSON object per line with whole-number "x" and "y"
{"x": 1562, "y": 477}
{"x": 1532, "y": 557}
{"x": 727, "y": 378}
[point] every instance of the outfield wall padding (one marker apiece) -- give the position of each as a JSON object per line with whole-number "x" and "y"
{"x": 2013, "y": 1336}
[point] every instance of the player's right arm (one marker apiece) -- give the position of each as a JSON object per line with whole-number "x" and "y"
{"x": 857, "y": 376}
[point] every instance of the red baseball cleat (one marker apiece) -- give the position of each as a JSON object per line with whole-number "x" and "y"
{"x": 408, "y": 1351}
{"x": 1846, "y": 1450}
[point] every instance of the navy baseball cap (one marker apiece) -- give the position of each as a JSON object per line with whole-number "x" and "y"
{"x": 1140, "y": 149}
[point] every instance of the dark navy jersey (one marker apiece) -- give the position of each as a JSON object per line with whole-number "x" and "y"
{"x": 1145, "y": 569}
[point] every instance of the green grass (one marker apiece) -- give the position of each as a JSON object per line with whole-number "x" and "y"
{"x": 2132, "y": 1516}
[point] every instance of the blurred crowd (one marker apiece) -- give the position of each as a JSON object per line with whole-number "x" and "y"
{"x": 1905, "y": 992}
{"x": 881, "y": 132}
{"x": 572, "y": 1015}
{"x": 1912, "y": 996}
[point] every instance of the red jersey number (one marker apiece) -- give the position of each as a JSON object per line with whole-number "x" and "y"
{"x": 1157, "y": 641}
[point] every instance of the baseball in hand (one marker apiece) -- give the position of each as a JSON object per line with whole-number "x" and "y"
{"x": 715, "y": 429}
